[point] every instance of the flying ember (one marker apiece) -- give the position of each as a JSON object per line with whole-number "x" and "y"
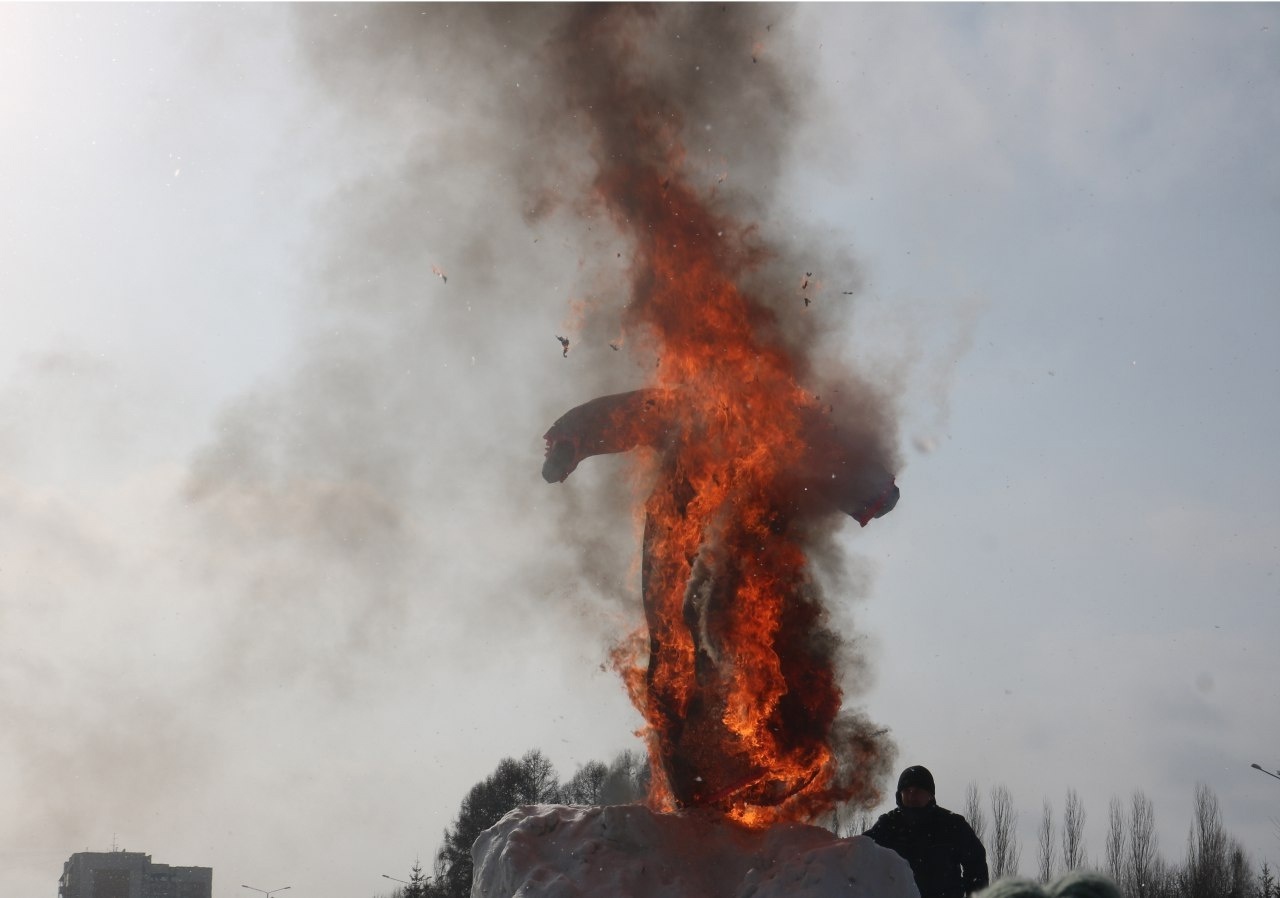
{"x": 745, "y": 462}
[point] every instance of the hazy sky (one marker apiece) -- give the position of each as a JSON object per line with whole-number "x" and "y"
{"x": 279, "y": 578}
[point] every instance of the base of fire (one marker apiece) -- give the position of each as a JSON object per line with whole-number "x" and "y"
{"x": 628, "y": 851}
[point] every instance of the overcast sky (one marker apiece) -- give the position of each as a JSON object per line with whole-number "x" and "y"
{"x": 279, "y": 578}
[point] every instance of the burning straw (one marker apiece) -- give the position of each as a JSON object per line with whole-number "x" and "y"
{"x": 747, "y": 455}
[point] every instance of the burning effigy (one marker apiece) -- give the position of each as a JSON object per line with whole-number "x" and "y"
{"x": 738, "y": 689}
{"x": 748, "y": 454}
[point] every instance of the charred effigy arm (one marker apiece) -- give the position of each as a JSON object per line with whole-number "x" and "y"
{"x": 838, "y": 469}
{"x": 608, "y": 424}
{"x": 841, "y": 468}
{"x": 877, "y": 494}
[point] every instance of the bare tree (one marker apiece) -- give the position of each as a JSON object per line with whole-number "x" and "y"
{"x": 586, "y": 784}
{"x": 1048, "y": 847}
{"x": 1116, "y": 840}
{"x": 1239, "y": 870}
{"x": 1208, "y": 862}
{"x": 1142, "y": 864}
{"x": 849, "y": 820}
{"x": 973, "y": 811}
{"x": 1164, "y": 880}
{"x": 1005, "y": 851}
{"x": 627, "y": 780}
{"x": 841, "y": 820}
{"x": 1206, "y": 844}
{"x": 861, "y": 822}
{"x": 1073, "y": 853}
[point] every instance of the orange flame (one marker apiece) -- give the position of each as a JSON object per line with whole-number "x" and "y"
{"x": 739, "y": 689}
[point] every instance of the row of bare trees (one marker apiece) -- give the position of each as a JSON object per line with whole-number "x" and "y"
{"x": 1215, "y": 866}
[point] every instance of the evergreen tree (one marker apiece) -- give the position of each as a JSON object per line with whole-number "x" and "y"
{"x": 418, "y": 883}
{"x": 1267, "y": 887}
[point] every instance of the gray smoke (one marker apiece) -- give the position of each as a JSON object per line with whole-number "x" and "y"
{"x": 378, "y": 499}
{"x": 466, "y": 240}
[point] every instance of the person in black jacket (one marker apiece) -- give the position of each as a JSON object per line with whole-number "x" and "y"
{"x": 946, "y": 856}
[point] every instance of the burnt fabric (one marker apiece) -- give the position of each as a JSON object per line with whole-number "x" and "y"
{"x": 945, "y": 855}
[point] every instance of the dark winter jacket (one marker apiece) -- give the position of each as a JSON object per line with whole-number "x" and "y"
{"x": 945, "y": 855}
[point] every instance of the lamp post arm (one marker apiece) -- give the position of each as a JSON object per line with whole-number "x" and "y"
{"x": 267, "y": 892}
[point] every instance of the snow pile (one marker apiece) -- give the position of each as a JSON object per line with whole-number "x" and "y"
{"x": 628, "y": 851}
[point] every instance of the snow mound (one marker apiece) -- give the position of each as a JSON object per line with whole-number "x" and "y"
{"x": 628, "y": 851}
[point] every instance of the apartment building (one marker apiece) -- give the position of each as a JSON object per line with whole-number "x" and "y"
{"x": 130, "y": 874}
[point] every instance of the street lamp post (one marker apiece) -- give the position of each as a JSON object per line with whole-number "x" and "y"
{"x": 268, "y": 894}
{"x": 412, "y": 889}
{"x": 1274, "y": 776}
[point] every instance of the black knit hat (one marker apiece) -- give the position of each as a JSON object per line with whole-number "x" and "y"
{"x": 917, "y": 776}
